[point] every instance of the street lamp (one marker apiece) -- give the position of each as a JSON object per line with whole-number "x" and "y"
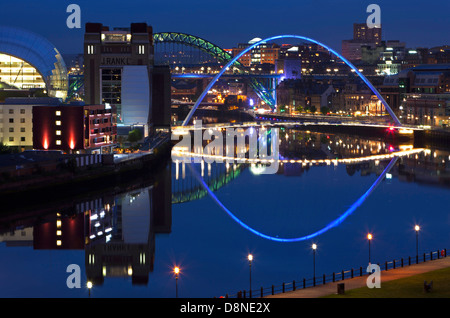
{"x": 176, "y": 270}
{"x": 250, "y": 259}
{"x": 369, "y": 237}
{"x": 314, "y": 247}
{"x": 417, "y": 228}
{"x": 89, "y": 286}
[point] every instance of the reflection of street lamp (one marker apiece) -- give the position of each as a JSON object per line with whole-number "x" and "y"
{"x": 250, "y": 259}
{"x": 369, "y": 237}
{"x": 314, "y": 247}
{"x": 417, "y": 228}
{"x": 176, "y": 270}
{"x": 89, "y": 286}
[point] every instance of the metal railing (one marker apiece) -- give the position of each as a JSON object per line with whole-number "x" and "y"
{"x": 337, "y": 276}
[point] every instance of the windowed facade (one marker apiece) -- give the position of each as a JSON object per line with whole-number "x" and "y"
{"x": 112, "y": 88}
{"x": 15, "y": 125}
{"x": 29, "y": 61}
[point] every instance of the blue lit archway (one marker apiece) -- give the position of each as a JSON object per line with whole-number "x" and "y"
{"x": 232, "y": 61}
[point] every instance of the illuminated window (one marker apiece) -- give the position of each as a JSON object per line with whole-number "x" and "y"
{"x": 58, "y": 113}
{"x": 58, "y": 242}
{"x": 58, "y": 132}
{"x": 141, "y": 49}
{"x": 58, "y": 223}
{"x": 90, "y": 49}
{"x": 58, "y": 123}
{"x": 59, "y": 233}
{"x": 58, "y": 142}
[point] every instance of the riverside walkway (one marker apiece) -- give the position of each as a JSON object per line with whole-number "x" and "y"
{"x": 357, "y": 282}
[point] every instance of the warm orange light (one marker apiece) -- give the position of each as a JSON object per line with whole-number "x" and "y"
{"x": 369, "y": 236}
{"x": 250, "y": 257}
{"x": 45, "y": 144}
{"x": 417, "y": 228}
{"x": 176, "y": 270}
{"x": 72, "y": 144}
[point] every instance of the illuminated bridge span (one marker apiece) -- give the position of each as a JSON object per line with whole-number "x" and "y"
{"x": 305, "y": 122}
{"x": 185, "y": 186}
{"x": 238, "y": 56}
{"x": 181, "y": 155}
{"x": 221, "y": 55}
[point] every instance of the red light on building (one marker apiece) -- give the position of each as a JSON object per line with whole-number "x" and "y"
{"x": 73, "y": 127}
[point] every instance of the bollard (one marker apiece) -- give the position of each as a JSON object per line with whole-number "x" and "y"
{"x": 360, "y": 271}
{"x": 341, "y": 288}
{"x": 342, "y": 274}
{"x": 324, "y": 279}
{"x": 262, "y": 292}
{"x": 334, "y": 277}
{"x": 393, "y": 264}
{"x": 352, "y": 273}
{"x": 304, "y": 283}
{"x": 385, "y": 266}
{"x": 244, "y": 293}
{"x": 293, "y": 285}
{"x": 402, "y": 262}
{"x": 273, "y": 290}
{"x": 283, "y": 287}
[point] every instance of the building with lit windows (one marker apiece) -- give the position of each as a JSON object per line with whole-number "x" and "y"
{"x": 119, "y": 70}
{"x": 16, "y": 120}
{"x": 362, "y": 36}
{"x": 74, "y": 128}
{"x": 29, "y": 62}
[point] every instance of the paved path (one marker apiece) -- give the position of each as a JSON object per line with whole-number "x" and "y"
{"x": 392, "y": 274}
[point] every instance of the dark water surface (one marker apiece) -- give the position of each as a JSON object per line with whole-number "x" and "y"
{"x": 128, "y": 242}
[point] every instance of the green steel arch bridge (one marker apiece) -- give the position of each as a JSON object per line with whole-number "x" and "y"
{"x": 185, "y": 186}
{"x": 267, "y": 94}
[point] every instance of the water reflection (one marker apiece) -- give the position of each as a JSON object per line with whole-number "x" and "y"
{"x": 117, "y": 230}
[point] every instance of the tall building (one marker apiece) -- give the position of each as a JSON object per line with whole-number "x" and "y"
{"x": 362, "y": 36}
{"x": 361, "y": 32}
{"x": 118, "y": 71}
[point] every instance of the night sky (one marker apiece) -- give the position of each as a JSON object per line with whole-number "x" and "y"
{"x": 226, "y": 23}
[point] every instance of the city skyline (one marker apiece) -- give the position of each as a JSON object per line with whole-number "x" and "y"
{"x": 409, "y": 22}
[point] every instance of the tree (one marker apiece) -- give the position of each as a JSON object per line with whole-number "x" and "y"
{"x": 299, "y": 108}
{"x": 313, "y": 109}
{"x": 4, "y": 149}
{"x": 134, "y": 136}
{"x": 324, "y": 110}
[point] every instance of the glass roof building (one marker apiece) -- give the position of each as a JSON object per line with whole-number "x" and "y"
{"x": 28, "y": 60}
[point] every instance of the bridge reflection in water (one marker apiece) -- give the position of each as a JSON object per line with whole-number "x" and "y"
{"x": 117, "y": 229}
